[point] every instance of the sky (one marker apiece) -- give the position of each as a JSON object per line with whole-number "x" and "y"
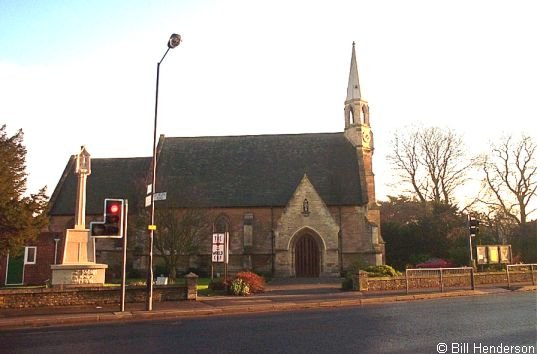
{"x": 78, "y": 73}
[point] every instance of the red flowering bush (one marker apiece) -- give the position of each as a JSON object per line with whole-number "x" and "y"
{"x": 255, "y": 282}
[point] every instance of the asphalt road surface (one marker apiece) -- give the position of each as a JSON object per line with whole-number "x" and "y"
{"x": 463, "y": 325}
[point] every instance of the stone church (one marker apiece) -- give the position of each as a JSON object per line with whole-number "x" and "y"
{"x": 295, "y": 205}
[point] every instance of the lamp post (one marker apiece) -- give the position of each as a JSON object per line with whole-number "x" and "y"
{"x": 173, "y": 42}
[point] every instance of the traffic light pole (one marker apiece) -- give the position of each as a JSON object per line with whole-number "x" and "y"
{"x": 469, "y": 218}
{"x": 470, "y": 249}
{"x": 472, "y": 280}
{"x": 124, "y": 269}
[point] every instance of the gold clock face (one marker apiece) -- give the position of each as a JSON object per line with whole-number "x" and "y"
{"x": 366, "y": 137}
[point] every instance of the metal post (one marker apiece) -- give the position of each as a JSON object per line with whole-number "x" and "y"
{"x": 124, "y": 269}
{"x": 226, "y": 253}
{"x": 472, "y": 280}
{"x": 56, "y": 240}
{"x": 173, "y": 42}
{"x": 406, "y": 280}
{"x": 508, "y": 279}
{"x": 441, "y": 282}
{"x": 532, "y": 276}
{"x": 152, "y": 195}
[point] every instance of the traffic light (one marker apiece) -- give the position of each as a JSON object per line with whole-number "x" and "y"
{"x": 112, "y": 226}
{"x": 473, "y": 225}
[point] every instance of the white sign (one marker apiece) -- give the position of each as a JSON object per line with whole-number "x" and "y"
{"x": 160, "y": 196}
{"x": 149, "y": 188}
{"x": 219, "y": 238}
{"x": 156, "y": 196}
{"x": 220, "y": 250}
{"x": 218, "y": 253}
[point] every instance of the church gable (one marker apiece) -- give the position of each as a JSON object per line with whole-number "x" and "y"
{"x": 306, "y": 209}
{"x": 306, "y": 216}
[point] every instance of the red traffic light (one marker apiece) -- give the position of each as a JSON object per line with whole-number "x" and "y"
{"x": 113, "y": 208}
{"x": 113, "y": 224}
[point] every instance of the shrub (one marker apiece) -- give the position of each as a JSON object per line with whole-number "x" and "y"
{"x": 346, "y": 284}
{"x": 217, "y": 284}
{"x": 239, "y": 287}
{"x": 256, "y": 283}
{"x": 382, "y": 271}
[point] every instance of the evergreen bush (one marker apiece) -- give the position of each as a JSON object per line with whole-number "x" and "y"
{"x": 239, "y": 287}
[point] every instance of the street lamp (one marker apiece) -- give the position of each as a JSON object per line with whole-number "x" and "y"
{"x": 173, "y": 42}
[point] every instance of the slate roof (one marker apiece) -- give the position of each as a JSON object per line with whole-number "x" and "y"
{"x": 229, "y": 171}
{"x": 258, "y": 170}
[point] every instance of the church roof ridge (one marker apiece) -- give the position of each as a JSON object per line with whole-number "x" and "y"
{"x": 253, "y": 135}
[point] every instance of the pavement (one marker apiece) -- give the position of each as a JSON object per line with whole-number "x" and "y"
{"x": 280, "y": 295}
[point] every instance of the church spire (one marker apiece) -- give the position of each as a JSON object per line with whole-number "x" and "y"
{"x": 356, "y": 108}
{"x": 353, "y": 88}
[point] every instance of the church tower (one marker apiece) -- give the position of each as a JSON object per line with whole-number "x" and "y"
{"x": 358, "y": 132}
{"x": 358, "y": 129}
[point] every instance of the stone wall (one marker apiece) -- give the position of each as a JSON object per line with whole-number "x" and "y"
{"x": 98, "y": 296}
{"x": 449, "y": 281}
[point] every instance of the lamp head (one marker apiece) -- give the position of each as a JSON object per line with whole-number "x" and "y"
{"x": 175, "y": 40}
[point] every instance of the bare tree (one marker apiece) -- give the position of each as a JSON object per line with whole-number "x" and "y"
{"x": 179, "y": 234}
{"x": 510, "y": 179}
{"x": 432, "y": 161}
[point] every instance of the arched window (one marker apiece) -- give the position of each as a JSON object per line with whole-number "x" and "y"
{"x": 221, "y": 224}
{"x": 351, "y": 116}
{"x": 364, "y": 115}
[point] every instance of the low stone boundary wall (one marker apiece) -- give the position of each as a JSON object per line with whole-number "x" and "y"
{"x": 366, "y": 283}
{"x": 102, "y": 295}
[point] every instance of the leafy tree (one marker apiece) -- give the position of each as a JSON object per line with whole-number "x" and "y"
{"x": 524, "y": 242}
{"x": 431, "y": 161}
{"x": 21, "y": 217}
{"x": 179, "y": 234}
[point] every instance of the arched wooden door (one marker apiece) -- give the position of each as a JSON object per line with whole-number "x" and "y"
{"x": 307, "y": 257}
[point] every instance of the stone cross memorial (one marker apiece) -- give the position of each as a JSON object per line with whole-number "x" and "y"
{"x": 78, "y": 267}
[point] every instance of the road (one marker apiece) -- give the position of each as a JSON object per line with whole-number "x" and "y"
{"x": 454, "y": 325}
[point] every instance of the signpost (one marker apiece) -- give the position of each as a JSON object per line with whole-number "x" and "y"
{"x": 220, "y": 251}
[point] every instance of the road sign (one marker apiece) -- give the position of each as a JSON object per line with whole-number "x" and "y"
{"x": 157, "y": 196}
{"x": 160, "y": 196}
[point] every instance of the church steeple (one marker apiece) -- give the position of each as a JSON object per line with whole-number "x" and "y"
{"x": 357, "y": 127}
{"x": 353, "y": 88}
